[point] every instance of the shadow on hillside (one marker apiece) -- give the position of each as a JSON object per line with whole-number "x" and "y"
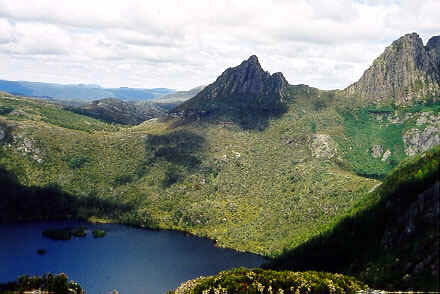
{"x": 357, "y": 242}
{"x": 21, "y": 203}
{"x": 256, "y": 119}
{"x": 178, "y": 148}
{"x": 246, "y": 117}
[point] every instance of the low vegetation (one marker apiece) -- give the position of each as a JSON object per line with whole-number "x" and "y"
{"x": 65, "y": 233}
{"x": 48, "y": 283}
{"x": 252, "y": 189}
{"x": 242, "y": 280}
{"x": 352, "y": 247}
{"x": 99, "y": 233}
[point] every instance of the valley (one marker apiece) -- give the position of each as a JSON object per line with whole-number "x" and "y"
{"x": 251, "y": 162}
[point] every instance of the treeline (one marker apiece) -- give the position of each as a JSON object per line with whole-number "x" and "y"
{"x": 48, "y": 283}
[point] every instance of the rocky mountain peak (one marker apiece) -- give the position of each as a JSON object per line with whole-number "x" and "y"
{"x": 433, "y": 47}
{"x": 434, "y": 43}
{"x": 246, "y": 86}
{"x": 404, "y": 73}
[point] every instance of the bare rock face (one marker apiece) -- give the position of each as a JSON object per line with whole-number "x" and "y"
{"x": 247, "y": 79}
{"x": 386, "y": 155}
{"x": 323, "y": 146}
{"x": 417, "y": 141}
{"x": 246, "y": 86}
{"x": 433, "y": 47}
{"x": 406, "y": 72}
{"x": 377, "y": 151}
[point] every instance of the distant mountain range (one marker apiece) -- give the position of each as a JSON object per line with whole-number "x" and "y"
{"x": 255, "y": 164}
{"x": 114, "y": 110}
{"x": 179, "y": 96}
{"x": 79, "y": 91}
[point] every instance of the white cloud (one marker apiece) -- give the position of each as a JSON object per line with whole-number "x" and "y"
{"x": 182, "y": 44}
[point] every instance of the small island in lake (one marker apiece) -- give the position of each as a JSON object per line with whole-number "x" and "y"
{"x": 99, "y": 233}
{"x": 65, "y": 233}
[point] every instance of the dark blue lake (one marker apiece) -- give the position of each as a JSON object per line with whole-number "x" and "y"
{"x": 128, "y": 259}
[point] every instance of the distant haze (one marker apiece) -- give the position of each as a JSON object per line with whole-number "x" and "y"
{"x": 184, "y": 44}
{"x": 80, "y": 91}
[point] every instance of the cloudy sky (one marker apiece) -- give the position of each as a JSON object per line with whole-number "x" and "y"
{"x": 182, "y": 44}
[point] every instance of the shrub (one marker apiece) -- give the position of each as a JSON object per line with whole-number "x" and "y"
{"x": 99, "y": 233}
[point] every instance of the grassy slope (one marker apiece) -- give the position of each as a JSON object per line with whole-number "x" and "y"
{"x": 353, "y": 247}
{"x": 248, "y": 189}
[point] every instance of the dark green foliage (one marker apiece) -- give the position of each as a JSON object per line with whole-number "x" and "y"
{"x": 354, "y": 247}
{"x": 99, "y": 233}
{"x": 57, "y": 284}
{"x": 4, "y": 110}
{"x": 77, "y": 161}
{"x": 363, "y": 131}
{"x": 242, "y": 280}
{"x": 65, "y": 233}
{"x": 176, "y": 151}
{"x": 245, "y": 112}
{"x": 79, "y": 232}
{"x": 177, "y": 147}
{"x": 20, "y": 203}
{"x": 429, "y": 104}
{"x": 122, "y": 180}
{"x": 382, "y": 109}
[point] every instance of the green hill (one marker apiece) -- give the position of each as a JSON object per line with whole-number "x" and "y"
{"x": 390, "y": 239}
{"x": 252, "y": 162}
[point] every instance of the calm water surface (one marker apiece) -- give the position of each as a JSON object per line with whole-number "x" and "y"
{"x": 128, "y": 259}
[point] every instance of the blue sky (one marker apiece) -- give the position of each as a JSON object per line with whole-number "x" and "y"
{"x": 183, "y": 44}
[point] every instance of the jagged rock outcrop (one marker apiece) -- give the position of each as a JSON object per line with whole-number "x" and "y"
{"x": 118, "y": 111}
{"x": 386, "y": 155}
{"x": 406, "y": 72}
{"x": 433, "y": 47}
{"x": 323, "y": 146}
{"x": 418, "y": 141}
{"x": 377, "y": 151}
{"x": 246, "y": 87}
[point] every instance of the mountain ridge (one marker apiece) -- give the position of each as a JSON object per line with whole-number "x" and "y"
{"x": 79, "y": 91}
{"x": 264, "y": 190}
{"x": 243, "y": 87}
{"x": 406, "y": 72}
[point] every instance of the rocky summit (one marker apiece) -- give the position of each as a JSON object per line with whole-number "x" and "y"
{"x": 246, "y": 86}
{"x": 406, "y": 72}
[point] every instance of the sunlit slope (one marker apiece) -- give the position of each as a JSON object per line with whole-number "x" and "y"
{"x": 255, "y": 190}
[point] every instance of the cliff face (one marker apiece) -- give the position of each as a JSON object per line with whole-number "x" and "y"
{"x": 248, "y": 80}
{"x": 406, "y": 72}
{"x": 244, "y": 87}
{"x": 433, "y": 47}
